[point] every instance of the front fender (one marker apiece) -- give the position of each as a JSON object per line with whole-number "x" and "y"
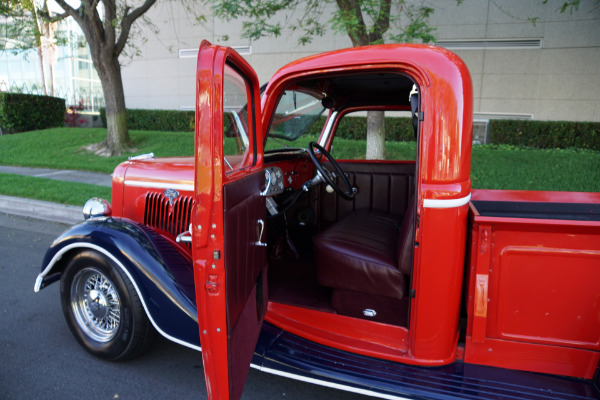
{"x": 162, "y": 276}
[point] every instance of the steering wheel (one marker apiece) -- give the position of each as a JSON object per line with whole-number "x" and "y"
{"x": 345, "y": 189}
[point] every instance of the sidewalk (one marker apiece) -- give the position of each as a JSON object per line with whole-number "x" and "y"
{"x": 47, "y": 210}
{"x": 93, "y": 178}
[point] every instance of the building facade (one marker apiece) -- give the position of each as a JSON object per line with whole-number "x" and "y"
{"x": 545, "y": 71}
{"x": 68, "y": 71}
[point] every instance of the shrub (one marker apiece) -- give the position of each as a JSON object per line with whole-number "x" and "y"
{"x": 27, "y": 112}
{"x": 355, "y": 128}
{"x": 546, "y": 134}
{"x": 156, "y": 120}
{"x": 73, "y": 116}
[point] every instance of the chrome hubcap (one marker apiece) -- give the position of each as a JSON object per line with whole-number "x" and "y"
{"x": 96, "y": 305}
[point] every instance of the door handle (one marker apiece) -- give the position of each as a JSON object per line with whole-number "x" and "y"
{"x": 185, "y": 237}
{"x": 261, "y": 225}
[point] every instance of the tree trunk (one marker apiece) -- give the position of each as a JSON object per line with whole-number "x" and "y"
{"x": 117, "y": 136}
{"x": 361, "y": 35}
{"x": 41, "y": 59}
{"x": 375, "y": 135}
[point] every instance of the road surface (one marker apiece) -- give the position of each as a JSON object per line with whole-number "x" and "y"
{"x": 40, "y": 359}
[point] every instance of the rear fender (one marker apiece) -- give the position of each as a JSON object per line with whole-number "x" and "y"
{"x": 162, "y": 276}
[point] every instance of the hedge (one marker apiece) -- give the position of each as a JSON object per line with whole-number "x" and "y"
{"x": 27, "y": 112}
{"x": 156, "y": 120}
{"x": 546, "y": 134}
{"x": 538, "y": 134}
{"x": 396, "y": 129}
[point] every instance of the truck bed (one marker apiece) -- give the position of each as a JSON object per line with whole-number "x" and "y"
{"x": 533, "y": 271}
{"x": 538, "y": 210}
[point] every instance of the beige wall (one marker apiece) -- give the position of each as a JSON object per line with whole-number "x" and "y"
{"x": 559, "y": 80}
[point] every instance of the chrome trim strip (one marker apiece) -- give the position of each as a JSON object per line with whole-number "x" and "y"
{"x": 161, "y": 185}
{"x": 327, "y": 384}
{"x": 58, "y": 256}
{"x": 443, "y": 203}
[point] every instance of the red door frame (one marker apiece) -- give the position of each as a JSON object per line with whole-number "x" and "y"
{"x": 208, "y": 220}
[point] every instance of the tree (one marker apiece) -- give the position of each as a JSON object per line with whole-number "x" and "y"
{"x": 25, "y": 30}
{"x": 366, "y": 22}
{"x": 106, "y": 25}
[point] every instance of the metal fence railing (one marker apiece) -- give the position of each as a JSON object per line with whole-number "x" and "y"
{"x": 92, "y": 101}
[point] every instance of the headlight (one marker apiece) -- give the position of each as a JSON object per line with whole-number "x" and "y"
{"x": 96, "y": 207}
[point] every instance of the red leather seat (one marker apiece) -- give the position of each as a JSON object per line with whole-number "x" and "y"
{"x": 367, "y": 252}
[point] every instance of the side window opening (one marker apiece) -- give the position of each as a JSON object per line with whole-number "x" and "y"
{"x": 350, "y": 140}
{"x": 237, "y": 143}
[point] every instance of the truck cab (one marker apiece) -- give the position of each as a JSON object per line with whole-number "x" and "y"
{"x": 265, "y": 237}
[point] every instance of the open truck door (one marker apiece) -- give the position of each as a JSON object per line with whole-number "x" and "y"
{"x": 228, "y": 237}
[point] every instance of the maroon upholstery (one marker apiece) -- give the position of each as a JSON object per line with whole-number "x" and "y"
{"x": 406, "y": 239}
{"x": 384, "y": 187}
{"x": 361, "y": 253}
{"x": 246, "y": 274}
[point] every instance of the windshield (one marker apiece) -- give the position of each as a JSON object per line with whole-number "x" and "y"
{"x": 295, "y": 114}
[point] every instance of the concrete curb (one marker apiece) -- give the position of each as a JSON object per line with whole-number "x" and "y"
{"x": 41, "y": 209}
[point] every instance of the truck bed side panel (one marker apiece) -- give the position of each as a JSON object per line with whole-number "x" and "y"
{"x": 534, "y": 300}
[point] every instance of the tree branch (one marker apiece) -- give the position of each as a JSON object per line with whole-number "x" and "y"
{"x": 68, "y": 10}
{"x": 94, "y": 19}
{"x": 110, "y": 15}
{"x": 127, "y": 21}
{"x": 382, "y": 24}
{"x": 353, "y": 22}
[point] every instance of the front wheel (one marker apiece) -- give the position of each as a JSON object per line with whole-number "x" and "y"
{"x": 103, "y": 309}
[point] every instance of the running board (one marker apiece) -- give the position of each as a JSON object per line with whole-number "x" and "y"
{"x": 284, "y": 354}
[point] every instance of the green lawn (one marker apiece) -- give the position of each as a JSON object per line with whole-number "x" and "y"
{"x": 507, "y": 167}
{"x": 51, "y": 190}
{"x": 493, "y": 167}
{"x": 62, "y": 148}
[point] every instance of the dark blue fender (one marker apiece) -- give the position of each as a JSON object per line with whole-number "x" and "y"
{"x": 162, "y": 275}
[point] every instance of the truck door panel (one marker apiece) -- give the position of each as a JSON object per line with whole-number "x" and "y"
{"x": 245, "y": 259}
{"x": 229, "y": 259}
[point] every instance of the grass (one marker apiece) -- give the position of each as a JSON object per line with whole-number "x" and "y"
{"x": 62, "y": 148}
{"x": 509, "y": 167}
{"x": 72, "y": 193}
{"x": 493, "y": 166}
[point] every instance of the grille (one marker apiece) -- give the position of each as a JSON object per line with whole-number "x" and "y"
{"x": 173, "y": 218}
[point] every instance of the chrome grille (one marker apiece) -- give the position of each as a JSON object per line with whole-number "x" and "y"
{"x": 173, "y": 218}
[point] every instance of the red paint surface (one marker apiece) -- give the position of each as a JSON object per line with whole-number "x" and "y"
{"x": 533, "y": 298}
{"x": 541, "y": 294}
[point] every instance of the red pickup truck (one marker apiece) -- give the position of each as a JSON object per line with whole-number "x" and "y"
{"x": 389, "y": 278}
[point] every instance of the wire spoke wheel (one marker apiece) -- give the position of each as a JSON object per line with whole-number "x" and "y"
{"x": 103, "y": 309}
{"x": 96, "y": 304}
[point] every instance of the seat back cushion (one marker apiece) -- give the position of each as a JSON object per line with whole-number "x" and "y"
{"x": 359, "y": 253}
